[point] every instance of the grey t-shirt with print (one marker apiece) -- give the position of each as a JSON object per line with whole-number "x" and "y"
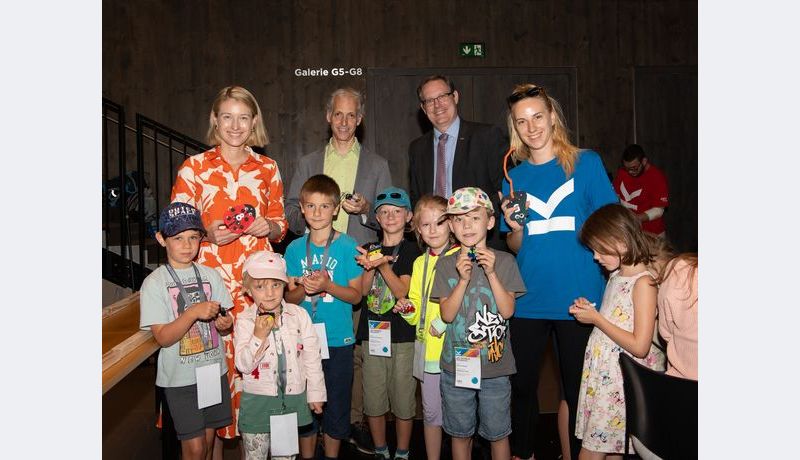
{"x": 160, "y": 302}
{"x": 478, "y": 322}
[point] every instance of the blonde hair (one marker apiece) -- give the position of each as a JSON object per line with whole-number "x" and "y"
{"x": 428, "y": 201}
{"x": 248, "y": 282}
{"x": 566, "y": 153}
{"x": 258, "y": 137}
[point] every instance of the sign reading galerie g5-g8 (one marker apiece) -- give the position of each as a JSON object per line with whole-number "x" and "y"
{"x": 332, "y": 72}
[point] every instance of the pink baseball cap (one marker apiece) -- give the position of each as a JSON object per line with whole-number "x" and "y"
{"x": 266, "y": 264}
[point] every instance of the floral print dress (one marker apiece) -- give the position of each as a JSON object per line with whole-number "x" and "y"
{"x": 601, "y": 402}
{"x": 207, "y": 182}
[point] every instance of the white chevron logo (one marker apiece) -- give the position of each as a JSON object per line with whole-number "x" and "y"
{"x": 627, "y": 197}
{"x": 548, "y": 224}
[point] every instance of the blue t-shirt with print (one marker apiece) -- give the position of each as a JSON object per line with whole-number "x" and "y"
{"x": 556, "y": 267}
{"x": 342, "y": 268}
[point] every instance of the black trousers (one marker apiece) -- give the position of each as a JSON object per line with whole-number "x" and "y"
{"x": 529, "y": 340}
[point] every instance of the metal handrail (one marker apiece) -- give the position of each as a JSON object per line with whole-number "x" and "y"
{"x": 151, "y": 138}
{"x": 146, "y": 130}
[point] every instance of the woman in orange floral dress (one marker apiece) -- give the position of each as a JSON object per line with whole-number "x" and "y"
{"x": 229, "y": 175}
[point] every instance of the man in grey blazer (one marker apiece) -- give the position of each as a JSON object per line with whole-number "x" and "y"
{"x": 362, "y": 175}
{"x": 356, "y": 170}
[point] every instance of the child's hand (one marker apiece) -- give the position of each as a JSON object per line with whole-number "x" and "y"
{"x": 464, "y": 265}
{"x": 369, "y": 264}
{"x": 508, "y": 209}
{"x": 432, "y": 330}
{"x": 318, "y": 281}
{"x": 584, "y": 311}
{"x": 403, "y": 306}
{"x": 316, "y": 407}
{"x": 263, "y": 326}
{"x": 485, "y": 258}
{"x": 205, "y": 311}
{"x": 224, "y": 323}
{"x": 362, "y": 258}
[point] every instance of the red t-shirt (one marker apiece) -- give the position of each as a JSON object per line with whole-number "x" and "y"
{"x": 646, "y": 191}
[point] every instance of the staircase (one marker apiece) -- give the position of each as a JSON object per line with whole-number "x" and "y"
{"x": 139, "y": 166}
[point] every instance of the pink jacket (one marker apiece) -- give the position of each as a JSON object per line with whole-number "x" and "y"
{"x": 258, "y": 361}
{"x": 677, "y": 321}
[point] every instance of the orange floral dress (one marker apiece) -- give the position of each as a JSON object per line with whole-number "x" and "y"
{"x": 207, "y": 182}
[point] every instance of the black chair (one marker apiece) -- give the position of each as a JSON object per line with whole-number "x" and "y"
{"x": 660, "y": 411}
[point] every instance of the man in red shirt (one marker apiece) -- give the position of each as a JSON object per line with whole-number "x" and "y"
{"x": 642, "y": 188}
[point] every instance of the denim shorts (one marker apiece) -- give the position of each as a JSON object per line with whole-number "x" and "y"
{"x": 462, "y": 407}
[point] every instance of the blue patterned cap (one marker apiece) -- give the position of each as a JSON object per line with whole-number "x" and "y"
{"x": 178, "y": 217}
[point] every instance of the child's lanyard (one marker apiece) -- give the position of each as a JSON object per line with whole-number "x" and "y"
{"x": 187, "y": 302}
{"x": 323, "y": 262}
{"x": 425, "y": 295}
{"x": 276, "y": 332}
{"x": 383, "y": 294}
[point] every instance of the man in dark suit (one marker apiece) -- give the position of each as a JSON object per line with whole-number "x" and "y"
{"x": 470, "y": 154}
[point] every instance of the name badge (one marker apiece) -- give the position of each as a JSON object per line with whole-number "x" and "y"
{"x": 468, "y": 367}
{"x": 283, "y": 440}
{"x": 380, "y": 338}
{"x": 322, "y": 336}
{"x": 209, "y": 390}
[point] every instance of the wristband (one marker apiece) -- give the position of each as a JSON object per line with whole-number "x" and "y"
{"x": 654, "y": 213}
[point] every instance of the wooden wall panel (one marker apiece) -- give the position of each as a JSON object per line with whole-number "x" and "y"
{"x": 168, "y": 59}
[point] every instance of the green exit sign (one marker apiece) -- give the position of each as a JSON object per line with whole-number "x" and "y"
{"x": 472, "y": 50}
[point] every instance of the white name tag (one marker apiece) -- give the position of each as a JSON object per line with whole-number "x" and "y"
{"x": 322, "y": 337}
{"x": 283, "y": 440}
{"x": 209, "y": 391}
{"x": 380, "y": 338}
{"x": 468, "y": 367}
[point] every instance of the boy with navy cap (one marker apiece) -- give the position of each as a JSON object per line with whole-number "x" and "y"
{"x": 184, "y": 304}
{"x": 387, "y": 380}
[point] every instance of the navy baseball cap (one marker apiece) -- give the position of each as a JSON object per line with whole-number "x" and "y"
{"x": 178, "y": 217}
{"x": 392, "y": 195}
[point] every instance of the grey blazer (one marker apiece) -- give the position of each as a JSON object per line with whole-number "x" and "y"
{"x": 372, "y": 176}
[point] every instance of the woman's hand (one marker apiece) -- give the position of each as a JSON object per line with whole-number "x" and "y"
{"x": 261, "y": 227}
{"x": 584, "y": 311}
{"x": 508, "y": 209}
{"x": 219, "y": 234}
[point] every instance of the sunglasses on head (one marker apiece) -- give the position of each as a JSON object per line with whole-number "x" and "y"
{"x": 395, "y": 195}
{"x": 517, "y": 96}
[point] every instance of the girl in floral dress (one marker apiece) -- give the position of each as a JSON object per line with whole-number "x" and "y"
{"x": 624, "y": 324}
{"x": 232, "y": 175}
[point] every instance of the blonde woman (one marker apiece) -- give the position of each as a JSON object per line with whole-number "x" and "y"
{"x": 563, "y": 186}
{"x": 229, "y": 176}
